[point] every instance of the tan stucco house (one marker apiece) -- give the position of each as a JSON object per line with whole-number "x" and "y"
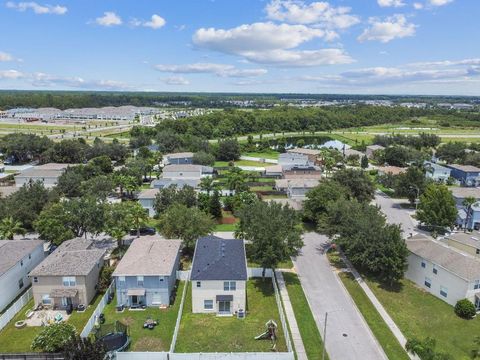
{"x": 69, "y": 275}
{"x": 219, "y": 276}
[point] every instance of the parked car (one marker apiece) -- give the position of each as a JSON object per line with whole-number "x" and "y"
{"x": 144, "y": 231}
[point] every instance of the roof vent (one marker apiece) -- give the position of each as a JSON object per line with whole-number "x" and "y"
{"x": 475, "y": 238}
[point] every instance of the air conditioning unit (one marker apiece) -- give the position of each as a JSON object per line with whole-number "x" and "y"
{"x": 241, "y": 314}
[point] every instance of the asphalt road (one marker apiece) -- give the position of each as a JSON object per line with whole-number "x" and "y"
{"x": 395, "y": 213}
{"x": 348, "y": 336}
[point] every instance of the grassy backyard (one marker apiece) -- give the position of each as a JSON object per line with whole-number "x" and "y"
{"x": 306, "y": 323}
{"x": 229, "y": 334}
{"x": 241, "y": 163}
{"x": 160, "y": 337}
{"x": 14, "y": 340}
{"x": 267, "y": 154}
{"x": 420, "y": 314}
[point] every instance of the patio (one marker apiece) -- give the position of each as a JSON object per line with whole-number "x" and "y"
{"x": 46, "y": 317}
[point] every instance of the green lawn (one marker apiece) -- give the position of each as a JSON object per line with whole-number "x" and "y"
{"x": 160, "y": 337}
{"x": 242, "y": 163}
{"x": 262, "y": 188}
{"x": 420, "y": 314}
{"x": 225, "y": 227}
{"x": 270, "y": 154}
{"x": 19, "y": 340}
{"x": 210, "y": 333}
{"x": 306, "y": 323}
{"x": 385, "y": 337}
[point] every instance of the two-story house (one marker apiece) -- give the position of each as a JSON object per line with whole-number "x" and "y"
{"x": 443, "y": 271}
{"x": 466, "y": 175}
{"x": 468, "y": 242}
{"x": 146, "y": 198}
{"x": 146, "y": 275}
{"x": 68, "y": 277}
{"x": 183, "y": 158}
{"x": 312, "y": 154}
{"x": 219, "y": 276}
{"x": 17, "y": 259}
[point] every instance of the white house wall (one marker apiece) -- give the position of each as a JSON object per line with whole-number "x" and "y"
{"x": 210, "y": 289}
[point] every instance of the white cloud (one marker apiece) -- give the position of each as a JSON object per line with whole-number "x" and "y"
{"x": 48, "y": 80}
{"x": 390, "y": 3}
{"x": 439, "y": 2}
{"x": 156, "y": 22}
{"x": 5, "y": 56}
{"x": 37, "y": 8}
{"x": 109, "y": 18}
{"x": 393, "y": 27}
{"x": 269, "y": 43}
{"x": 417, "y": 6}
{"x": 222, "y": 70}
{"x": 176, "y": 80}
{"x": 320, "y": 13}
{"x": 11, "y": 74}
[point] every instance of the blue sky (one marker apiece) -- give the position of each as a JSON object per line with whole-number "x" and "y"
{"x": 337, "y": 46}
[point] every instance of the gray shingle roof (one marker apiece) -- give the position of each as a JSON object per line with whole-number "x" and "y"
{"x": 463, "y": 192}
{"x": 452, "y": 260}
{"x": 149, "y": 256}
{"x": 219, "y": 259}
{"x": 464, "y": 168}
{"x": 12, "y": 251}
{"x": 76, "y": 257}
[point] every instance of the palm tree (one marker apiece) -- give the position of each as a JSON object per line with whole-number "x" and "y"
{"x": 207, "y": 184}
{"x": 10, "y": 227}
{"x": 136, "y": 215}
{"x": 467, "y": 204}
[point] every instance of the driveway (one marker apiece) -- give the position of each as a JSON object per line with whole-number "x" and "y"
{"x": 348, "y": 336}
{"x": 395, "y": 213}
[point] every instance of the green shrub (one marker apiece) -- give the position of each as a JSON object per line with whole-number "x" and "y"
{"x": 465, "y": 309}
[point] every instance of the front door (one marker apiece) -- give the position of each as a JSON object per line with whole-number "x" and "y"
{"x": 134, "y": 300}
{"x": 224, "y": 307}
{"x": 66, "y": 301}
{"x": 477, "y": 303}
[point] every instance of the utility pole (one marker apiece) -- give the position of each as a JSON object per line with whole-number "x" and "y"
{"x": 324, "y": 335}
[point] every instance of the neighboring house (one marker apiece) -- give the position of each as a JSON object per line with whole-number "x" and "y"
{"x": 17, "y": 259}
{"x": 68, "y": 276}
{"x": 391, "y": 170}
{"x": 296, "y": 188}
{"x": 146, "y": 198}
{"x": 219, "y": 276}
{"x": 293, "y": 159}
{"x": 461, "y": 193}
{"x": 436, "y": 172}
{"x": 147, "y": 273}
{"x": 48, "y": 174}
{"x": 352, "y": 152}
{"x": 466, "y": 175}
{"x": 370, "y": 150}
{"x": 184, "y": 158}
{"x": 472, "y": 216}
{"x": 275, "y": 171}
{"x": 293, "y": 203}
{"x": 336, "y": 145}
{"x": 186, "y": 171}
{"x": 468, "y": 242}
{"x": 312, "y": 154}
{"x": 179, "y": 183}
{"x": 302, "y": 172}
{"x": 443, "y": 271}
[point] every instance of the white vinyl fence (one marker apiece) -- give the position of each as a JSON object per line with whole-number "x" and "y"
{"x": 179, "y": 316}
{"x": 101, "y": 305}
{"x": 257, "y": 272}
{"x": 183, "y": 275}
{"x": 203, "y": 356}
{"x": 15, "y": 308}
{"x": 282, "y": 315}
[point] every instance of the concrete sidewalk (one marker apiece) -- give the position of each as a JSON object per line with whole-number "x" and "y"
{"x": 292, "y": 321}
{"x": 379, "y": 307}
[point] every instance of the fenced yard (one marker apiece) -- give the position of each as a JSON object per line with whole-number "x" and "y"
{"x": 211, "y": 333}
{"x": 157, "y": 339}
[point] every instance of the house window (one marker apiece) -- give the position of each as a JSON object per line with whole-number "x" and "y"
{"x": 35, "y": 279}
{"x": 21, "y": 262}
{"x": 435, "y": 271}
{"x": 20, "y": 283}
{"x": 161, "y": 278}
{"x": 428, "y": 282}
{"x": 476, "y": 285}
{"x": 29, "y": 256}
{"x": 208, "y": 304}
{"x": 423, "y": 264}
{"x": 69, "y": 281}
{"x": 477, "y": 251}
{"x": 229, "y": 285}
{"x": 140, "y": 281}
{"x": 199, "y": 284}
{"x": 46, "y": 299}
{"x": 443, "y": 291}
{"x": 121, "y": 281}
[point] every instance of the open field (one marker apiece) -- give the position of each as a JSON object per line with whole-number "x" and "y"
{"x": 229, "y": 334}
{"x": 160, "y": 337}
{"x": 13, "y": 340}
{"x": 420, "y": 314}
{"x": 306, "y": 323}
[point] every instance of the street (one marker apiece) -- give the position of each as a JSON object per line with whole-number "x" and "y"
{"x": 395, "y": 213}
{"x": 348, "y": 336}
